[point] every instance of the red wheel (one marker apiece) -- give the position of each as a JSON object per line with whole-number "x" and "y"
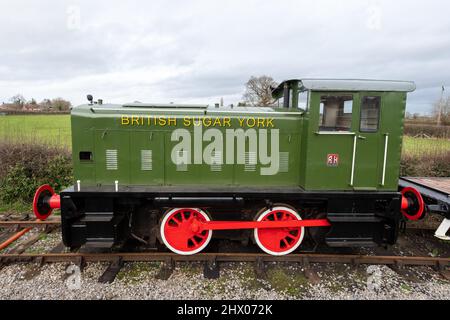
{"x": 179, "y": 232}
{"x": 280, "y": 241}
{"x": 413, "y": 207}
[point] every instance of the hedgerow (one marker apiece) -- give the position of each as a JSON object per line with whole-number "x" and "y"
{"x": 25, "y": 167}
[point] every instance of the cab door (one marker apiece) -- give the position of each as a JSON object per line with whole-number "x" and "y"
{"x": 368, "y": 144}
{"x": 327, "y": 157}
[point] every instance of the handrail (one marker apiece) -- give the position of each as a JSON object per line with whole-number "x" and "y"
{"x": 386, "y": 140}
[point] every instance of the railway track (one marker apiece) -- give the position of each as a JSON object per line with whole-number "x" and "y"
{"x": 29, "y": 224}
{"x": 57, "y": 222}
{"x": 211, "y": 260}
{"x": 13, "y": 230}
{"x": 75, "y": 257}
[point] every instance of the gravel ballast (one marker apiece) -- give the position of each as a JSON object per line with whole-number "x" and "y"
{"x": 237, "y": 281}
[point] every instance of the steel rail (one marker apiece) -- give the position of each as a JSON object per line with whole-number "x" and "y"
{"x": 57, "y": 222}
{"x": 226, "y": 257}
{"x": 31, "y": 223}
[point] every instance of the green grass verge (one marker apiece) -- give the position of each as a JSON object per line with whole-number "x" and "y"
{"x": 15, "y": 208}
{"x": 48, "y": 129}
{"x": 422, "y": 146}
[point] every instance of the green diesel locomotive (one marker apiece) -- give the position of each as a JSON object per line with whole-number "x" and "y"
{"x": 323, "y": 162}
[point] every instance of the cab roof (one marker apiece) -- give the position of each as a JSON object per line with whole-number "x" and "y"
{"x": 348, "y": 85}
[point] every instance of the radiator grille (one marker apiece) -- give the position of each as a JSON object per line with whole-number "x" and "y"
{"x": 146, "y": 160}
{"x": 216, "y": 161}
{"x": 111, "y": 160}
{"x": 250, "y": 161}
{"x": 284, "y": 162}
{"x": 182, "y": 157}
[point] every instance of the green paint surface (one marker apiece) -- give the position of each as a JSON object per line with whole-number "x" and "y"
{"x": 101, "y": 131}
{"x": 99, "y": 128}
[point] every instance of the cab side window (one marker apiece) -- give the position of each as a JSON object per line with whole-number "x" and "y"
{"x": 370, "y": 114}
{"x": 336, "y": 113}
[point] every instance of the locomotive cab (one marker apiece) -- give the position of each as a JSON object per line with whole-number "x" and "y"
{"x": 352, "y": 133}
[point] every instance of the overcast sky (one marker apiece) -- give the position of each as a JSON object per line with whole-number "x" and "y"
{"x": 199, "y": 51}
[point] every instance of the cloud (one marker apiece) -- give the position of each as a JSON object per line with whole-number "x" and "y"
{"x": 199, "y": 51}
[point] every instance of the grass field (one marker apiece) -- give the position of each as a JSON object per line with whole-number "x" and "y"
{"x": 422, "y": 146}
{"x": 55, "y": 130}
{"x": 48, "y": 129}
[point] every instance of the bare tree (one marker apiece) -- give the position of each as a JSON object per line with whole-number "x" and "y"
{"x": 17, "y": 102}
{"x": 45, "y": 105}
{"x": 258, "y": 90}
{"x": 59, "y": 104}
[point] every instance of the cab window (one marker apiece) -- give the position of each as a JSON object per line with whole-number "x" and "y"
{"x": 370, "y": 114}
{"x": 335, "y": 113}
{"x": 303, "y": 100}
{"x": 280, "y": 102}
{"x": 291, "y": 94}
